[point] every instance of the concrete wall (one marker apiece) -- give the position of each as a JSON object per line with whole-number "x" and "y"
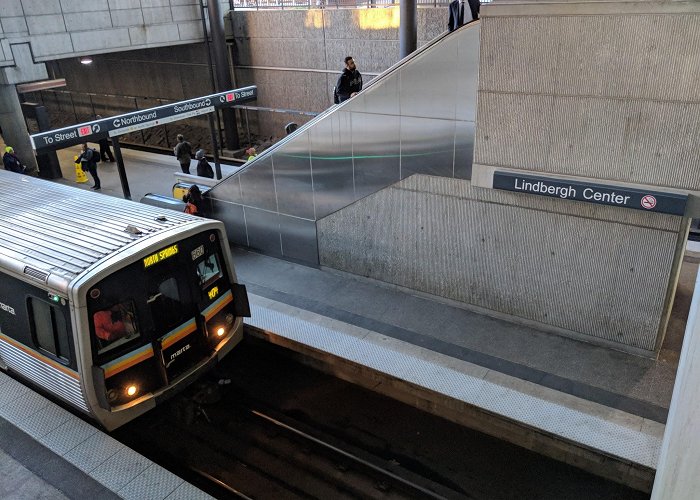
{"x": 67, "y": 28}
{"x": 606, "y": 90}
{"x": 578, "y": 268}
{"x": 295, "y": 57}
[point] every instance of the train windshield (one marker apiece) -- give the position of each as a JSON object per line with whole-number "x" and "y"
{"x": 153, "y": 300}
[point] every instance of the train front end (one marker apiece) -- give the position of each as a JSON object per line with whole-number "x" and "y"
{"x": 158, "y": 323}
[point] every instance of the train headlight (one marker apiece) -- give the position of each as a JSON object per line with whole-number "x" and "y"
{"x": 220, "y": 331}
{"x": 131, "y": 390}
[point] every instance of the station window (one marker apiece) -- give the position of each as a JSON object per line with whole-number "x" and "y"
{"x": 115, "y": 326}
{"x": 49, "y": 328}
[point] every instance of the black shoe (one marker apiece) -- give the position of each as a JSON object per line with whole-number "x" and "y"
{"x": 96, "y": 188}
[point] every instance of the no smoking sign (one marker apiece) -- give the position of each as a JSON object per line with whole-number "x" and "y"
{"x": 648, "y": 202}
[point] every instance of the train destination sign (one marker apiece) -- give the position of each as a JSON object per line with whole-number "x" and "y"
{"x": 617, "y": 196}
{"x": 137, "y": 120}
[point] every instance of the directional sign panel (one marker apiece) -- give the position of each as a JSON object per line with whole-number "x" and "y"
{"x": 601, "y": 194}
{"x": 137, "y": 120}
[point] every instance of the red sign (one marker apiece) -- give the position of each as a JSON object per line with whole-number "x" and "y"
{"x": 86, "y": 130}
{"x": 229, "y": 97}
{"x": 648, "y": 202}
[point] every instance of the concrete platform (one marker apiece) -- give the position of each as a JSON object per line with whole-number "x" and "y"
{"x": 47, "y": 452}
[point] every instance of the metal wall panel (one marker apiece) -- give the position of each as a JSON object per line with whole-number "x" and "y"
{"x": 258, "y": 185}
{"x": 427, "y": 146}
{"x": 421, "y": 93}
{"x": 381, "y": 99}
{"x": 468, "y": 78}
{"x": 464, "y": 149}
{"x": 263, "y": 231}
{"x": 299, "y": 238}
{"x": 361, "y": 146}
{"x": 292, "y": 168}
{"x": 331, "y": 163}
{"x": 231, "y": 214}
{"x": 376, "y": 150}
{"x": 230, "y": 190}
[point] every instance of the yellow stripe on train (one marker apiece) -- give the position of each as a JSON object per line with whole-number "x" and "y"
{"x": 173, "y": 336}
{"x": 127, "y": 361}
{"x": 42, "y": 359}
{"x": 217, "y": 306}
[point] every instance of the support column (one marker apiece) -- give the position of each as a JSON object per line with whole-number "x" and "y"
{"x": 223, "y": 74}
{"x": 408, "y": 31}
{"x": 14, "y": 128}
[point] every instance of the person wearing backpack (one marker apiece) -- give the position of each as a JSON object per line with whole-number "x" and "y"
{"x": 194, "y": 201}
{"x": 183, "y": 153}
{"x": 88, "y": 161}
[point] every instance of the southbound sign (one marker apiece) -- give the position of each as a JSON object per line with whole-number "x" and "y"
{"x": 617, "y": 196}
{"x": 137, "y": 120}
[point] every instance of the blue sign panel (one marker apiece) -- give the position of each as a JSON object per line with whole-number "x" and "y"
{"x": 601, "y": 194}
{"x": 137, "y": 120}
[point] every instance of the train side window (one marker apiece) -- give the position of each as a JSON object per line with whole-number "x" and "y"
{"x": 115, "y": 326}
{"x": 49, "y": 328}
{"x": 208, "y": 270}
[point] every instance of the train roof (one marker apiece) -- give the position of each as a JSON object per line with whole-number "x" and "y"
{"x": 52, "y": 232}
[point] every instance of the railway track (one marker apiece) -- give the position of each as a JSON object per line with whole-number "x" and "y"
{"x": 238, "y": 448}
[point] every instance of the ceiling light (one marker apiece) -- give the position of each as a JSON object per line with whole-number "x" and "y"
{"x": 86, "y": 60}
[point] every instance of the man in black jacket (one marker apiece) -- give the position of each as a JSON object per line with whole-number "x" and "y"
{"x": 350, "y": 81}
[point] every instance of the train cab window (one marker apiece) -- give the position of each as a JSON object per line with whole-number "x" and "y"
{"x": 115, "y": 326}
{"x": 164, "y": 302}
{"x": 208, "y": 270}
{"x": 49, "y": 328}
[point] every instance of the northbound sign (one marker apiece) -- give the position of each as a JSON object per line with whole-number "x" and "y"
{"x": 137, "y": 120}
{"x": 617, "y": 196}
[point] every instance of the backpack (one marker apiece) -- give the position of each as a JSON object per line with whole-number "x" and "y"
{"x": 336, "y": 99}
{"x": 191, "y": 208}
{"x": 96, "y": 156}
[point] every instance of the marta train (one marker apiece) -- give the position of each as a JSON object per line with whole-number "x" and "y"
{"x": 110, "y": 305}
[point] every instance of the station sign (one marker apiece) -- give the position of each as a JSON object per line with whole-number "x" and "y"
{"x": 138, "y": 120}
{"x": 600, "y": 194}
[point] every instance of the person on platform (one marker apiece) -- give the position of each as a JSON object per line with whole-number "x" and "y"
{"x": 183, "y": 153}
{"x": 88, "y": 161}
{"x": 12, "y": 162}
{"x": 105, "y": 150}
{"x": 194, "y": 201}
{"x": 251, "y": 153}
{"x": 203, "y": 167}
